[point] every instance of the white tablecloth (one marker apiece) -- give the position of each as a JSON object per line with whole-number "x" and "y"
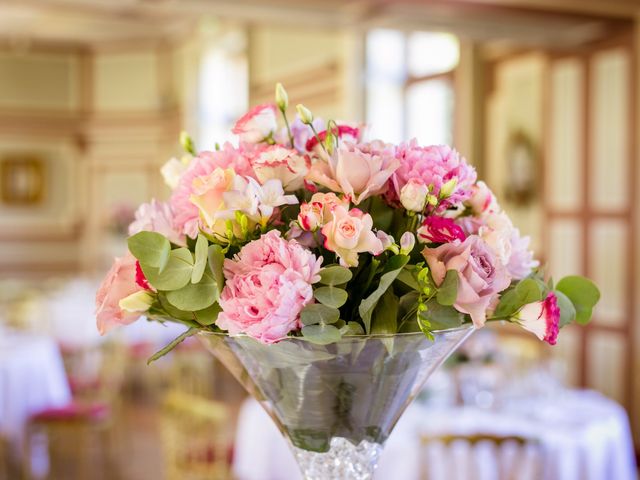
{"x": 32, "y": 378}
{"x": 583, "y": 436}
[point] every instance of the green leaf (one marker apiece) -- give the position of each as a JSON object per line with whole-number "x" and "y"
{"x": 196, "y": 296}
{"x": 176, "y": 274}
{"x": 318, "y": 313}
{"x": 335, "y": 275}
{"x": 352, "y": 328}
{"x": 408, "y": 278}
{"x": 216, "y": 262}
{"x": 174, "y": 343}
{"x": 567, "y": 310}
{"x": 201, "y": 259}
{"x": 331, "y": 296}
{"x": 525, "y": 292}
{"x": 393, "y": 268}
{"x": 442, "y": 317}
{"x": 448, "y": 290}
{"x": 583, "y": 293}
{"x": 321, "y": 334}
{"x": 150, "y": 248}
{"x": 173, "y": 311}
{"x": 385, "y": 315}
{"x": 209, "y": 315}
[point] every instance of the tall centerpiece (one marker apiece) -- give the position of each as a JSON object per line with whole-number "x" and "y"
{"x": 331, "y": 274}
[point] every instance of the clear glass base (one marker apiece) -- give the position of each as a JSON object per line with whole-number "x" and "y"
{"x": 344, "y": 460}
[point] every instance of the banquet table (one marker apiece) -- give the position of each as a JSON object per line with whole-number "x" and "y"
{"x": 32, "y": 378}
{"x": 582, "y": 434}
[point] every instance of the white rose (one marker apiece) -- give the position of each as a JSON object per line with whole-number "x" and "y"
{"x": 413, "y": 195}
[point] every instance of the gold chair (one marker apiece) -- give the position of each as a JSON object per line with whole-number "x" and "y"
{"x": 196, "y": 437}
{"x": 82, "y": 433}
{"x": 527, "y": 453}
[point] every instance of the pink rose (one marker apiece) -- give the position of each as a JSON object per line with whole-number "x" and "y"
{"x": 257, "y": 124}
{"x": 480, "y": 275}
{"x": 349, "y": 233}
{"x": 319, "y": 210}
{"x": 268, "y": 284}
{"x": 357, "y": 170}
{"x": 437, "y": 229}
{"x": 542, "y": 318}
{"x": 119, "y": 283}
{"x": 283, "y": 164}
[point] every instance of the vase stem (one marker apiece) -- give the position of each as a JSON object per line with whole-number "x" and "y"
{"x": 344, "y": 460}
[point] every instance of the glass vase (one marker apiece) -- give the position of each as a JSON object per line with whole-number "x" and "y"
{"x": 336, "y": 404}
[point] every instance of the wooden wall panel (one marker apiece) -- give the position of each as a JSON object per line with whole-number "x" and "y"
{"x": 607, "y": 353}
{"x": 564, "y": 252}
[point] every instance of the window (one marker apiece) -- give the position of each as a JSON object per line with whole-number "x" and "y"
{"x": 410, "y": 85}
{"x": 223, "y": 89}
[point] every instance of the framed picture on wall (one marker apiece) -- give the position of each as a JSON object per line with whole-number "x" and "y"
{"x": 22, "y": 180}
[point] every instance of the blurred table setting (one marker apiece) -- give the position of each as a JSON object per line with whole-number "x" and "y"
{"x": 476, "y": 419}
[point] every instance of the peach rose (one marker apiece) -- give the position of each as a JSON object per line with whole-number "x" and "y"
{"x": 119, "y": 284}
{"x": 349, "y": 233}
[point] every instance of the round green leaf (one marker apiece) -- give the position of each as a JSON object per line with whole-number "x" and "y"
{"x": 321, "y": 334}
{"x": 201, "y": 259}
{"x": 331, "y": 296}
{"x": 319, "y": 313}
{"x": 175, "y": 275}
{"x": 216, "y": 262}
{"x": 335, "y": 275}
{"x": 567, "y": 310}
{"x": 195, "y": 296}
{"x": 583, "y": 293}
{"x": 150, "y": 248}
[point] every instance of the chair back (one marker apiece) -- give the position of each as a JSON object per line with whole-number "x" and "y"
{"x": 196, "y": 437}
{"x": 480, "y": 457}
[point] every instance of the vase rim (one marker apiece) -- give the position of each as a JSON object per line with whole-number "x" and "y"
{"x": 466, "y": 326}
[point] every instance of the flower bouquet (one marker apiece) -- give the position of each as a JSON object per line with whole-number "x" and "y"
{"x": 331, "y": 274}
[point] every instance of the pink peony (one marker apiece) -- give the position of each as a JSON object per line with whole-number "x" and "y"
{"x": 437, "y": 229}
{"x": 480, "y": 275}
{"x": 268, "y": 284}
{"x": 521, "y": 261}
{"x": 283, "y": 164}
{"x": 187, "y": 214}
{"x": 357, "y": 170}
{"x": 542, "y": 318}
{"x": 119, "y": 283}
{"x": 434, "y": 165}
{"x": 156, "y": 217}
{"x": 257, "y": 124}
{"x": 349, "y": 233}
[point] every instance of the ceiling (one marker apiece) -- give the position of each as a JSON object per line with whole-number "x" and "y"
{"x": 104, "y": 22}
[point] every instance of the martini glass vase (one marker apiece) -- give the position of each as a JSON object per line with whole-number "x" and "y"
{"x": 336, "y": 403}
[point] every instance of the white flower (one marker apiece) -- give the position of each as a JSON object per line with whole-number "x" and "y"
{"x": 172, "y": 170}
{"x": 497, "y": 233}
{"x": 413, "y": 195}
{"x": 271, "y": 195}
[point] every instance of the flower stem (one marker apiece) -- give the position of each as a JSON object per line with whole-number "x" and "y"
{"x": 286, "y": 122}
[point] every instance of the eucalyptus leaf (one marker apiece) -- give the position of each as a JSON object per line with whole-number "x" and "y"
{"x": 173, "y": 311}
{"x": 448, "y": 290}
{"x": 321, "y": 334}
{"x": 201, "y": 259}
{"x": 150, "y": 248}
{"x": 196, "y": 296}
{"x": 174, "y": 343}
{"x": 335, "y": 275}
{"x": 216, "y": 262}
{"x": 318, "y": 313}
{"x": 393, "y": 268}
{"x": 407, "y": 277}
{"x": 525, "y": 292}
{"x": 385, "y": 315}
{"x": 442, "y": 317}
{"x": 583, "y": 293}
{"x": 331, "y": 296}
{"x": 567, "y": 310}
{"x": 352, "y": 328}
{"x": 209, "y": 315}
{"x": 176, "y": 274}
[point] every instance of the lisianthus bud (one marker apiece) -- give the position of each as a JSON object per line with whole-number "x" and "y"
{"x": 282, "y": 99}
{"x": 187, "y": 143}
{"x": 413, "y": 195}
{"x": 447, "y": 188}
{"x": 305, "y": 114}
{"x": 388, "y": 243}
{"x": 136, "y": 302}
{"x": 407, "y": 242}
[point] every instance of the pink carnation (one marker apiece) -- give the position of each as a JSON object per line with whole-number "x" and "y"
{"x": 542, "y": 318}
{"x": 186, "y": 213}
{"x": 437, "y": 229}
{"x": 268, "y": 284}
{"x": 434, "y": 165}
